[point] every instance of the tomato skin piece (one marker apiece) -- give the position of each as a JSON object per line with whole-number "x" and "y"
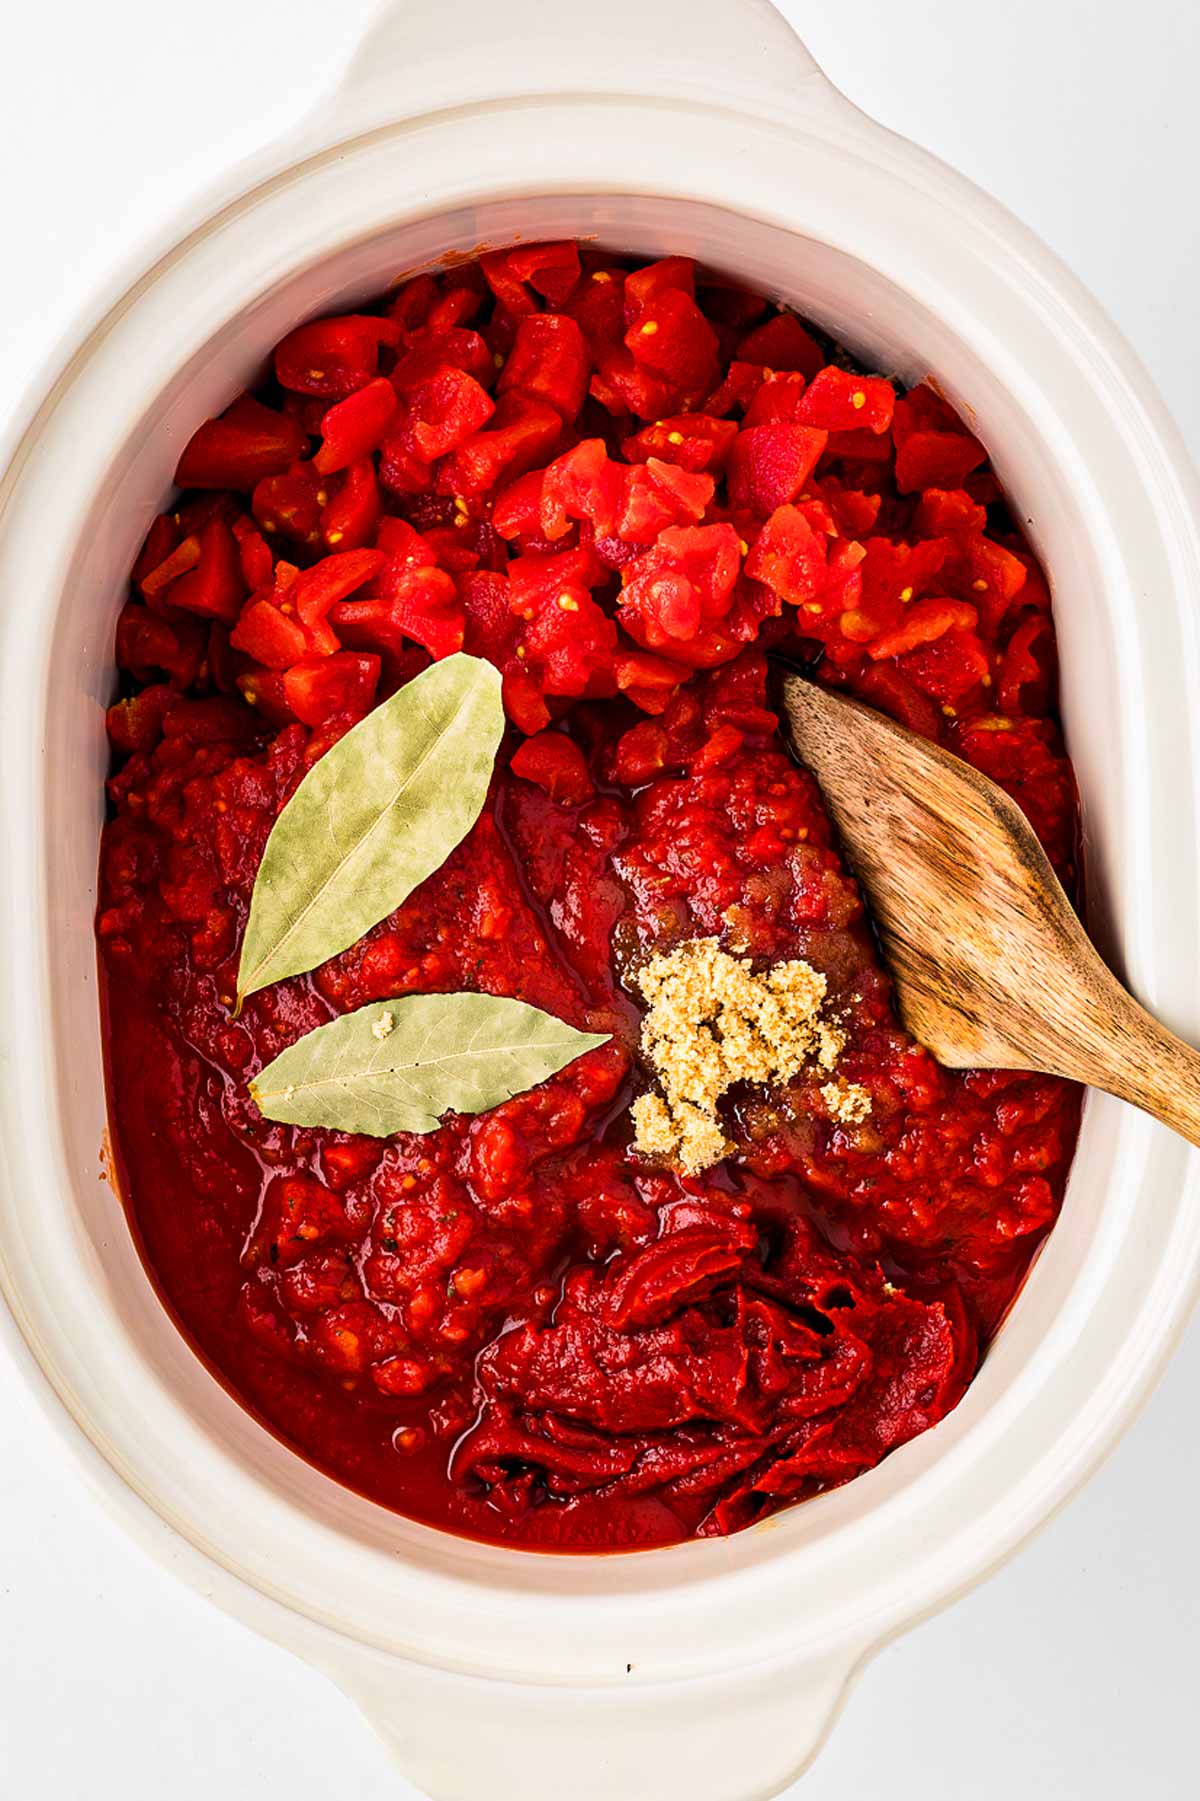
{"x": 555, "y": 763}
{"x": 549, "y": 361}
{"x": 249, "y": 441}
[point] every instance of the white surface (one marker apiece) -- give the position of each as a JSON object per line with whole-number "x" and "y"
{"x": 102, "y": 1685}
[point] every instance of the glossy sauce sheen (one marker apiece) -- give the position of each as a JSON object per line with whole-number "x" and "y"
{"x": 514, "y": 1327}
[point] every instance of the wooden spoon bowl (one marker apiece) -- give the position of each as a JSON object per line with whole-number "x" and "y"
{"x": 991, "y": 964}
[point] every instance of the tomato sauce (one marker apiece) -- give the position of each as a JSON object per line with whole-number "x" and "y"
{"x": 625, "y": 486}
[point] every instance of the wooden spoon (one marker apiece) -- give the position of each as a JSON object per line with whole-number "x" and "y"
{"x": 992, "y": 968}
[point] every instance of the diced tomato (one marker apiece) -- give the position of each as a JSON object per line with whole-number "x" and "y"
{"x": 836, "y": 400}
{"x": 356, "y": 426}
{"x": 936, "y": 459}
{"x": 146, "y": 642}
{"x": 185, "y": 556}
{"x": 159, "y": 542}
{"x": 521, "y": 433}
{"x": 922, "y": 623}
{"x": 770, "y": 464}
{"x": 647, "y": 680}
{"x": 136, "y": 723}
{"x": 623, "y": 385}
{"x": 789, "y": 557}
{"x": 333, "y": 357}
{"x": 268, "y": 636}
{"x": 318, "y": 589}
{"x": 583, "y": 484}
{"x": 1029, "y": 668}
{"x": 737, "y": 391}
{"x": 443, "y": 412}
{"x": 946, "y": 512}
{"x": 673, "y": 340}
{"x": 671, "y": 274}
{"x": 350, "y": 519}
{"x": 216, "y": 587}
{"x": 687, "y": 577}
{"x": 549, "y": 361}
{"x": 655, "y": 495}
{"x": 517, "y": 512}
{"x": 318, "y": 688}
{"x": 254, "y": 554}
{"x": 778, "y": 399}
{"x": 554, "y": 762}
{"x": 693, "y": 441}
{"x": 552, "y": 270}
{"x": 432, "y": 351}
{"x": 524, "y": 702}
{"x": 290, "y": 503}
{"x": 412, "y": 601}
{"x": 248, "y": 441}
{"x": 950, "y": 668}
{"x": 782, "y": 343}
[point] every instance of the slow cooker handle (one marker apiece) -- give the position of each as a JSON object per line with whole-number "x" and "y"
{"x": 417, "y": 56}
{"x": 732, "y": 1737}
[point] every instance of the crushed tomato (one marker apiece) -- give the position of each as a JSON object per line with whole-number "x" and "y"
{"x": 623, "y": 485}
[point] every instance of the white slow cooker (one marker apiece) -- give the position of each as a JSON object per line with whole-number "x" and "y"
{"x": 711, "y": 1671}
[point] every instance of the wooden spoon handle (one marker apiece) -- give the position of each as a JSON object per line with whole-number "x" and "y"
{"x": 1138, "y": 1060}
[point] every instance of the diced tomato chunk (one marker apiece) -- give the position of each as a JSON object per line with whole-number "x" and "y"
{"x": 549, "y": 361}
{"x": 836, "y": 400}
{"x": 332, "y": 357}
{"x": 269, "y": 636}
{"x": 789, "y": 557}
{"x": 770, "y": 464}
{"x": 694, "y": 441}
{"x": 216, "y": 587}
{"x": 923, "y": 622}
{"x": 318, "y": 688}
{"x": 554, "y": 762}
{"x": 356, "y": 426}
{"x": 520, "y": 434}
{"x": 782, "y": 343}
{"x": 237, "y": 450}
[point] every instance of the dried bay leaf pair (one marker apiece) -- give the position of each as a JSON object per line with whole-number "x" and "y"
{"x": 376, "y": 815}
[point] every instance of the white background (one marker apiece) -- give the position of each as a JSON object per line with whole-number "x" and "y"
{"x": 1072, "y": 1674}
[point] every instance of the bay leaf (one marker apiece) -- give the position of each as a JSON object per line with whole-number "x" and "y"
{"x": 398, "y": 1065}
{"x": 376, "y": 815}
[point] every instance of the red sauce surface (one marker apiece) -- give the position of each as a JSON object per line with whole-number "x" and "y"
{"x": 624, "y": 486}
